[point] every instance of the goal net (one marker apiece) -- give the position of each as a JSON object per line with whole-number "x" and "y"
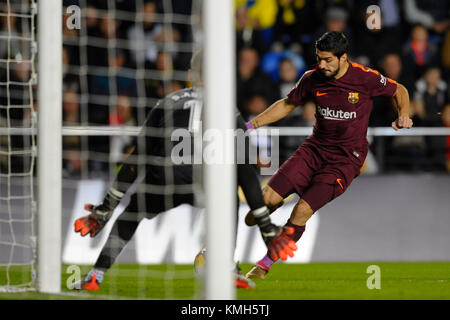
{"x": 118, "y": 62}
{"x": 17, "y": 150}
{"x": 120, "y": 59}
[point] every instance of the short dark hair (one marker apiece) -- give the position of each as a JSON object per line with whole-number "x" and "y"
{"x": 333, "y": 41}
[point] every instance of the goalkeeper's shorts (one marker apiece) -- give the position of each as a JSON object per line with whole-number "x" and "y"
{"x": 164, "y": 188}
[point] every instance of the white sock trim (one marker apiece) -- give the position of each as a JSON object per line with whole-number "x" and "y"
{"x": 260, "y": 211}
{"x": 116, "y": 193}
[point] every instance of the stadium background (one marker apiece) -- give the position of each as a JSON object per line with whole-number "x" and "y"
{"x": 116, "y": 69}
{"x": 128, "y": 54}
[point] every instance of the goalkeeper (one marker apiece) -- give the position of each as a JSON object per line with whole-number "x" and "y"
{"x": 167, "y": 185}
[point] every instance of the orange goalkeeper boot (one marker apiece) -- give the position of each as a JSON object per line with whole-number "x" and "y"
{"x": 90, "y": 282}
{"x": 91, "y": 285}
{"x": 241, "y": 281}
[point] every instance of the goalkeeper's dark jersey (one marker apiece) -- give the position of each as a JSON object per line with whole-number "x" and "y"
{"x": 171, "y": 175}
{"x": 168, "y": 181}
{"x": 165, "y": 144}
{"x": 180, "y": 111}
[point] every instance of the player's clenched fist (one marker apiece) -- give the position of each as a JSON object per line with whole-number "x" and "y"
{"x": 402, "y": 122}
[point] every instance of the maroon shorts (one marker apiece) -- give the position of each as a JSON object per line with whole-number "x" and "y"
{"x": 316, "y": 175}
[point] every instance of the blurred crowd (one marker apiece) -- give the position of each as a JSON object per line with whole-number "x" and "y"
{"x": 127, "y": 54}
{"x": 275, "y": 45}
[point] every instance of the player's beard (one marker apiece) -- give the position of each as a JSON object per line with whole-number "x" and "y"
{"x": 331, "y": 75}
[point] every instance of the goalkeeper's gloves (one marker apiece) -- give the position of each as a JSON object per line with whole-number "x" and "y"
{"x": 276, "y": 238}
{"x": 282, "y": 245}
{"x": 99, "y": 214}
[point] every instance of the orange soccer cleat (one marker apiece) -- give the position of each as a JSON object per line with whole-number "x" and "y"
{"x": 241, "y": 281}
{"x": 92, "y": 284}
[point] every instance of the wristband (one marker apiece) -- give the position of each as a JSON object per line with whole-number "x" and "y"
{"x": 250, "y": 125}
{"x": 112, "y": 199}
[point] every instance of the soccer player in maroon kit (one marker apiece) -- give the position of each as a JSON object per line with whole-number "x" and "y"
{"x": 323, "y": 167}
{"x": 175, "y": 111}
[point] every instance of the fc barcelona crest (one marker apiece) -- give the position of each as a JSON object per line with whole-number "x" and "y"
{"x": 353, "y": 97}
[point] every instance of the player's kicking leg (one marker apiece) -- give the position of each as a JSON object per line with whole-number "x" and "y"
{"x": 325, "y": 186}
{"x": 272, "y": 201}
{"x": 299, "y": 216}
{"x": 121, "y": 233}
{"x": 294, "y": 176}
{"x": 275, "y": 237}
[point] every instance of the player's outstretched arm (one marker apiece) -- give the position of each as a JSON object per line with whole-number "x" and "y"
{"x": 101, "y": 213}
{"x": 401, "y": 103}
{"x": 98, "y": 217}
{"x": 277, "y": 111}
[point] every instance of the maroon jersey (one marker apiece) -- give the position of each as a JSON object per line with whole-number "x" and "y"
{"x": 343, "y": 106}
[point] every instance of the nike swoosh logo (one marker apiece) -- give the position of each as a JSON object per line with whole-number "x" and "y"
{"x": 339, "y": 181}
{"x": 318, "y": 93}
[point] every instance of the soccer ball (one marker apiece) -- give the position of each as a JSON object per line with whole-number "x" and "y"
{"x": 199, "y": 262}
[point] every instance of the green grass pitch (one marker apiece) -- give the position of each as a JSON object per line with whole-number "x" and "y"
{"x": 312, "y": 281}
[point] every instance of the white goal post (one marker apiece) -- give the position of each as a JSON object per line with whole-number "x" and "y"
{"x": 219, "y": 60}
{"x": 49, "y": 145}
{"x": 220, "y": 180}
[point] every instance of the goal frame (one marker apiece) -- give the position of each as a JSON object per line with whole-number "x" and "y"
{"x": 49, "y": 169}
{"x": 220, "y": 179}
{"x": 219, "y": 95}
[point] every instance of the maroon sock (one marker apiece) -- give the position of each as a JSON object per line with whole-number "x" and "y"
{"x": 298, "y": 231}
